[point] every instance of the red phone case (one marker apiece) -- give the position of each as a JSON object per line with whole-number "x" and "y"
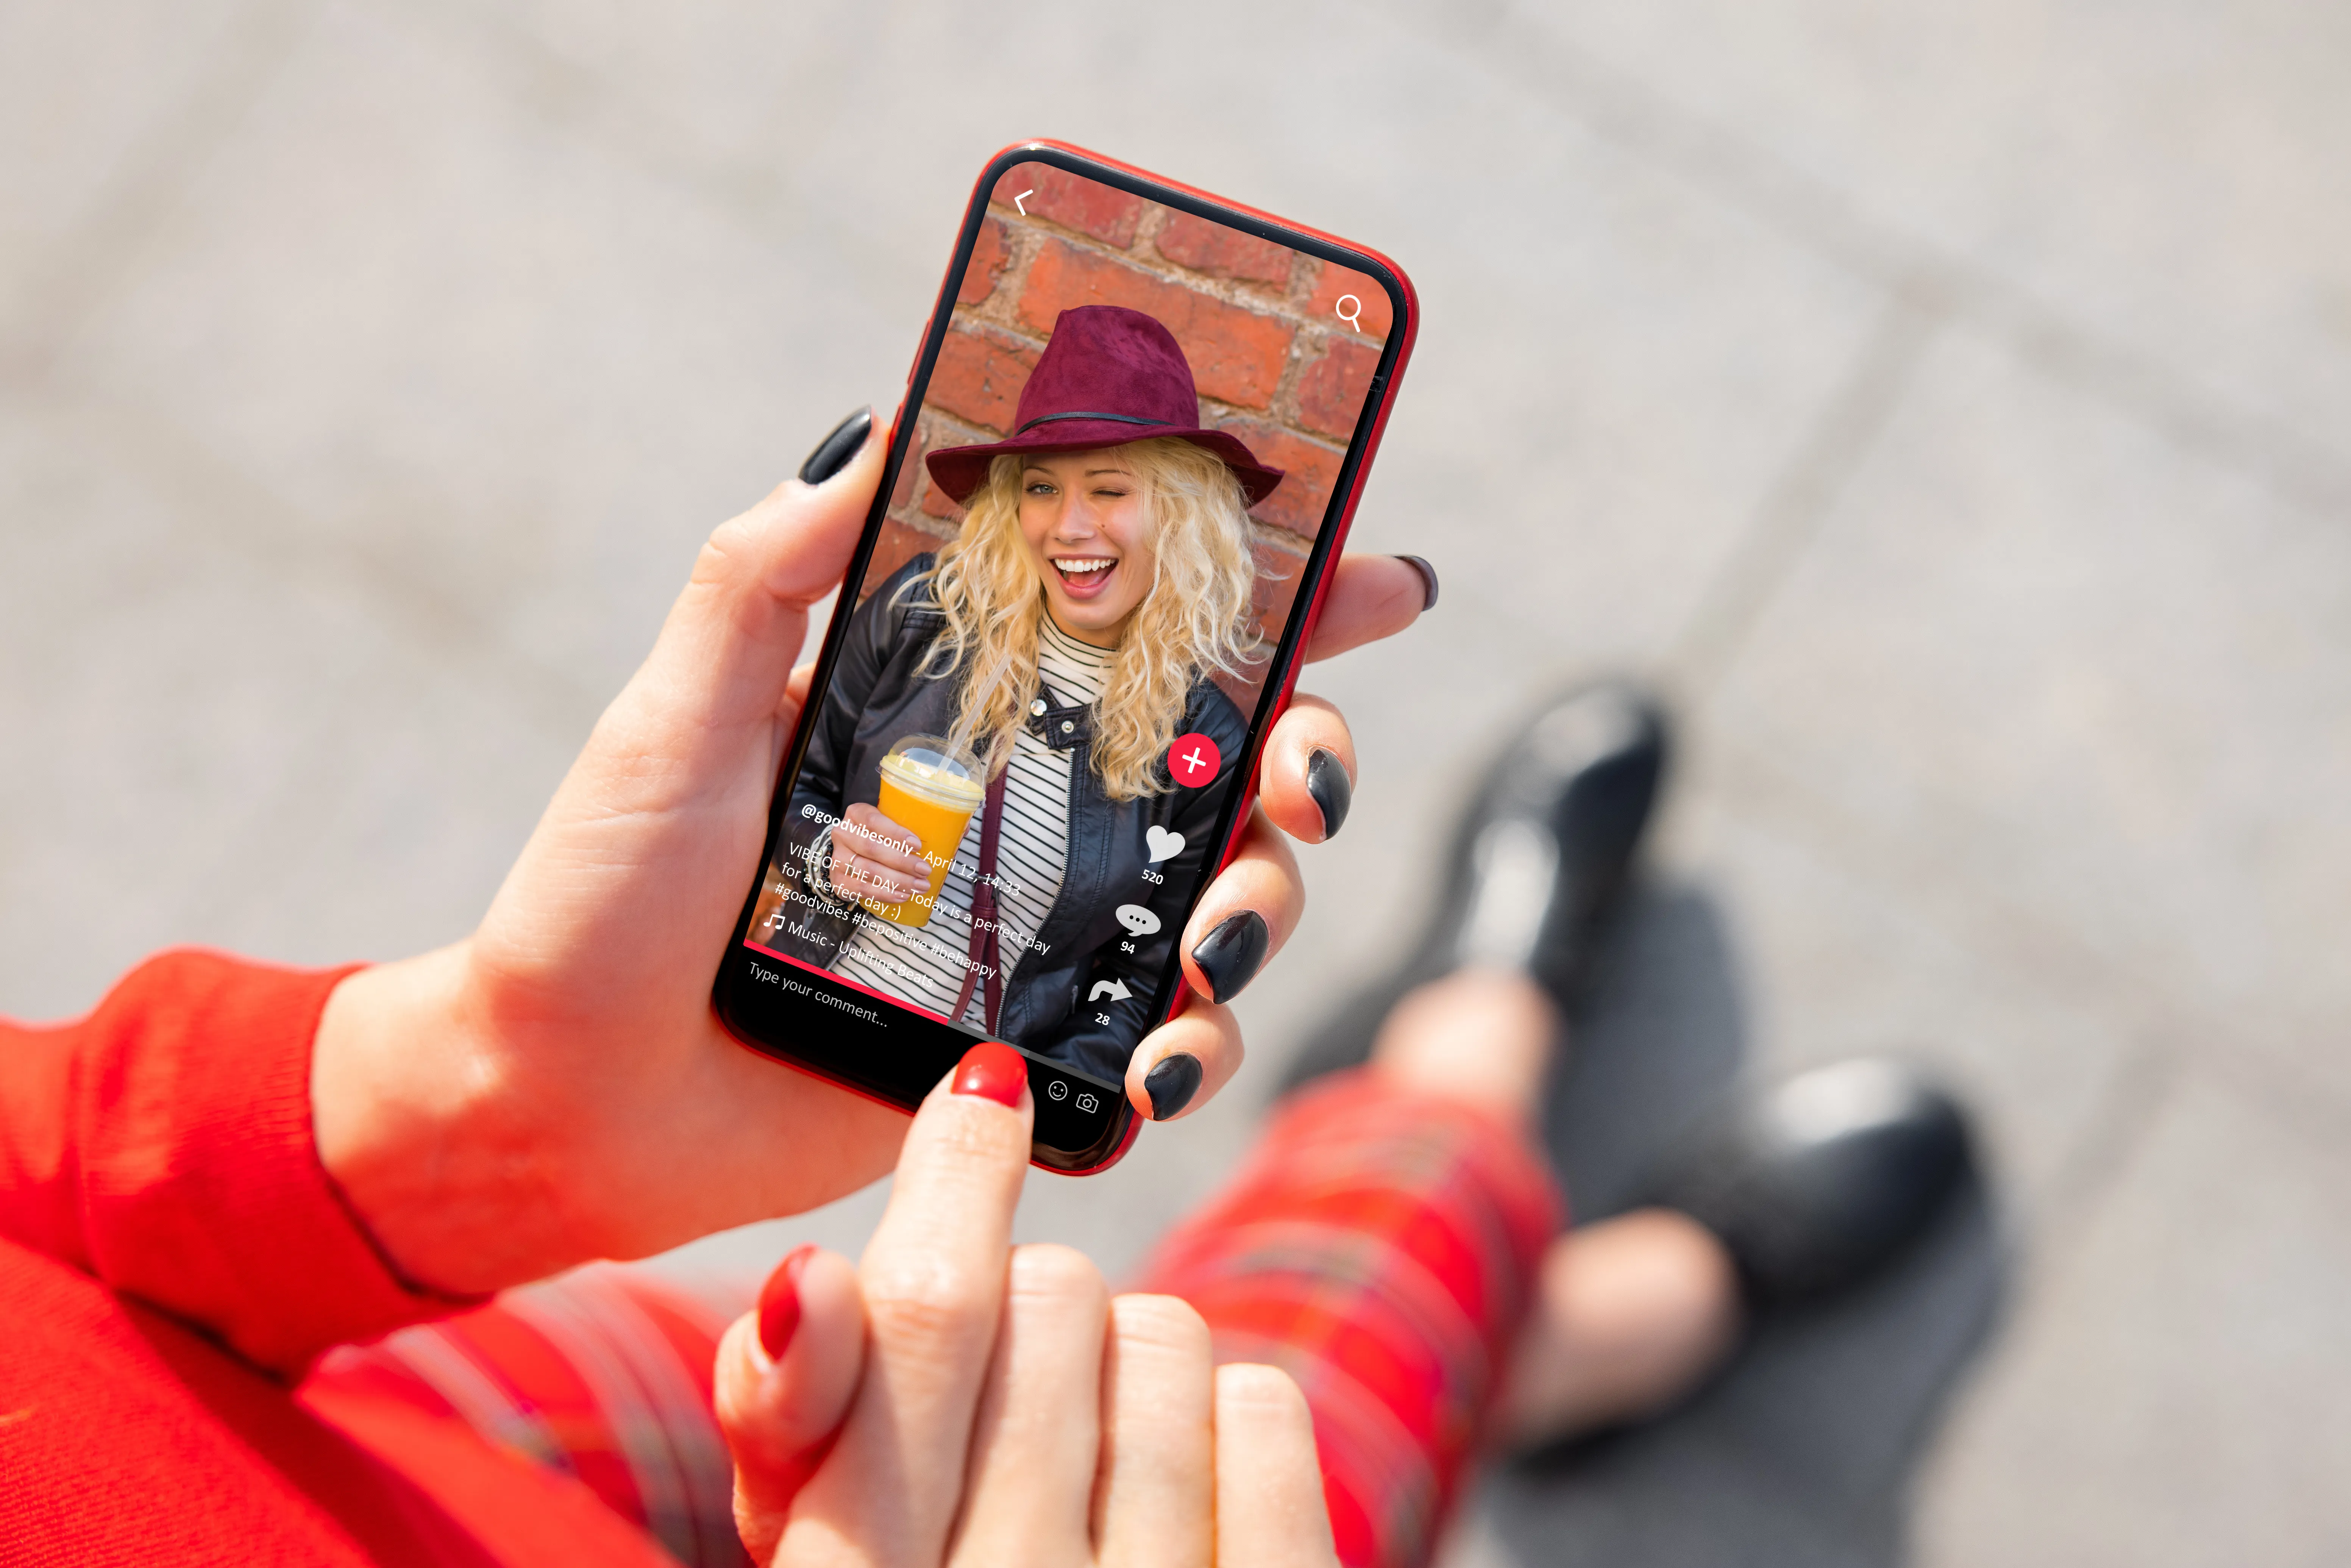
{"x": 1334, "y": 527}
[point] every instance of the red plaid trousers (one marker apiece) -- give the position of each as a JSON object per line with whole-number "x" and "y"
{"x": 1378, "y": 1245}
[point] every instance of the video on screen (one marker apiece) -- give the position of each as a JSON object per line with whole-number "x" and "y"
{"x": 1122, "y": 457}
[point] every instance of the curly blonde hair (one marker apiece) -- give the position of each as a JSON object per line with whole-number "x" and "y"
{"x": 1194, "y": 620}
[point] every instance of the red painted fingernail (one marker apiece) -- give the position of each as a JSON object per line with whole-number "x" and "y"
{"x": 994, "y": 1071}
{"x": 779, "y": 1301}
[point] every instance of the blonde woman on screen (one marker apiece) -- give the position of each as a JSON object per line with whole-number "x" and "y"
{"x": 989, "y": 823}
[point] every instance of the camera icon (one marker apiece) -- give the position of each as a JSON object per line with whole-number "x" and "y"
{"x": 1087, "y": 1102}
{"x": 1058, "y": 1089}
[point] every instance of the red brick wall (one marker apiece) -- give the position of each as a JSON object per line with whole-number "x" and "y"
{"x": 1271, "y": 360}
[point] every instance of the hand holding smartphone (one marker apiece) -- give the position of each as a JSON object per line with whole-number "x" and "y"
{"x": 1113, "y": 499}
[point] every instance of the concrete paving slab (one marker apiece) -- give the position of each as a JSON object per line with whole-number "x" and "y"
{"x": 2165, "y": 181}
{"x": 102, "y": 107}
{"x": 371, "y": 373}
{"x": 215, "y": 740}
{"x": 1569, "y": 283}
{"x": 479, "y": 353}
{"x": 2002, "y": 677}
{"x": 2002, "y": 779}
{"x": 1593, "y": 323}
{"x": 506, "y": 341}
{"x": 2171, "y": 1393}
{"x": 1840, "y": 960}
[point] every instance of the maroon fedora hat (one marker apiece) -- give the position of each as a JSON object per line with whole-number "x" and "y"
{"x": 1108, "y": 376}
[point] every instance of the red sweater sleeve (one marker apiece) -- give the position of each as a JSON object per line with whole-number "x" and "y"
{"x": 163, "y": 1145}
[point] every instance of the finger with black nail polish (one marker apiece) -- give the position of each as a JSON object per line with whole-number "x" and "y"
{"x": 833, "y": 452}
{"x": 1174, "y": 1079}
{"x": 1333, "y": 791}
{"x": 1427, "y": 580}
{"x": 1231, "y": 955}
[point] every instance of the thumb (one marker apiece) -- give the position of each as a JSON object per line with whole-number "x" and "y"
{"x": 728, "y": 645}
{"x": 665, "y": 808}
{"x": 785, "y": 1377}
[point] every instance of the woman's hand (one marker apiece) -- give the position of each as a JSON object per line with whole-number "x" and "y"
{"x": 557, "y": 1087}
{"x": 1305, "y": 783}
{"x": 877, "y": 859}
{"x": 955, "y": 1399}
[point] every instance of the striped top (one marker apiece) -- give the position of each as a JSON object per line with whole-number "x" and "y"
{"x": 926, "y": 966}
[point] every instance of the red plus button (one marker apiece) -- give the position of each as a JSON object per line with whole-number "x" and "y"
{"x": 1193, "y": 759}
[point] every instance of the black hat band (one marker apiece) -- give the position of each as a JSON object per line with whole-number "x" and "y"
{"x": 1049, "y": 418}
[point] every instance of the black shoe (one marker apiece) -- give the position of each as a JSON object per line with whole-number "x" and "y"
{"x": 1819, "y": 1182}
{"x": 1540, "y": 859}
{"x": 1546, "y": 853}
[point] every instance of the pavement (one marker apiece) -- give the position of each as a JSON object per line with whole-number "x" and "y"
{"x": 1947, "y": 406}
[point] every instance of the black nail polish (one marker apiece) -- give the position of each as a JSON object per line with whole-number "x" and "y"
{"x": 1333, "y": 791}
{"x": 833, "y": 452}
{"x": 1427, "y": 580}
{"x": 1172, "y": 1081}
{"x": 1231, "y": 955}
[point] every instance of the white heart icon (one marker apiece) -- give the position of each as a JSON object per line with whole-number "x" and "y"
{"x": 1166, "y": 844}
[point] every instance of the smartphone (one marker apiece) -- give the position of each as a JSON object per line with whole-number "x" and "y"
{"x": 1125, "y": 464}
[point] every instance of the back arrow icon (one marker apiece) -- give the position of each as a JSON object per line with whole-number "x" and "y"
{"x": 1115, "y": 989}
{"x": 1021, "y": 198}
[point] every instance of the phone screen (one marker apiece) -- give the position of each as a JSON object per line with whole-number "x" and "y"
{"x": 1044, "y": 686}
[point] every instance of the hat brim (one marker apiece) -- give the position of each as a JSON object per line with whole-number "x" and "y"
{"x": 962, "y": 470}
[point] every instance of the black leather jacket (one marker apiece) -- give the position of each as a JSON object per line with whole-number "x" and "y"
{"x": 877, "y": 697}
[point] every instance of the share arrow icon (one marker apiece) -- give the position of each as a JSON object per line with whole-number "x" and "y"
{"x": 1114, "y": 990}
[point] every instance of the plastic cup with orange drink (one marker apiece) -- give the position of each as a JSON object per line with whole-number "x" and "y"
{"x": 930, "y": 787}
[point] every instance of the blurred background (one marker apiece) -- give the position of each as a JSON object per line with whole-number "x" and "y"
{"x": 1946, "y": 405}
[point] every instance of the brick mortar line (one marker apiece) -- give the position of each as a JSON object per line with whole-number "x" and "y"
{"x": 1311, "y": 341}
{"x": 1233, "y": 412}
{"x": 639, "y": 131}
{"x": 1280, "y": 540}
{"x": 721, "y": 181}
{"x": 1280, "y": 410}
{"x": 922, "y": 522}
{"x": 1256, "y": 298}
{"x": 1021, "y": 241}
{"x": 994, "y": 320}
{"x": 1634, "y": 118}
{"x": 1035, "y": 230}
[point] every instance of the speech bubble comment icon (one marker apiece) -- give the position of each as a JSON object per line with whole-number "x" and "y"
{"x": 1138, "y": 921}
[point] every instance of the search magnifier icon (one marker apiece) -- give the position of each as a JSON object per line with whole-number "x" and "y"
{"x": 1351, "y": 311}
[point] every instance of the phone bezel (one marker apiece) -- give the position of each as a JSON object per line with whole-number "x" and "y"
{"x": 900, "y": 1072}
